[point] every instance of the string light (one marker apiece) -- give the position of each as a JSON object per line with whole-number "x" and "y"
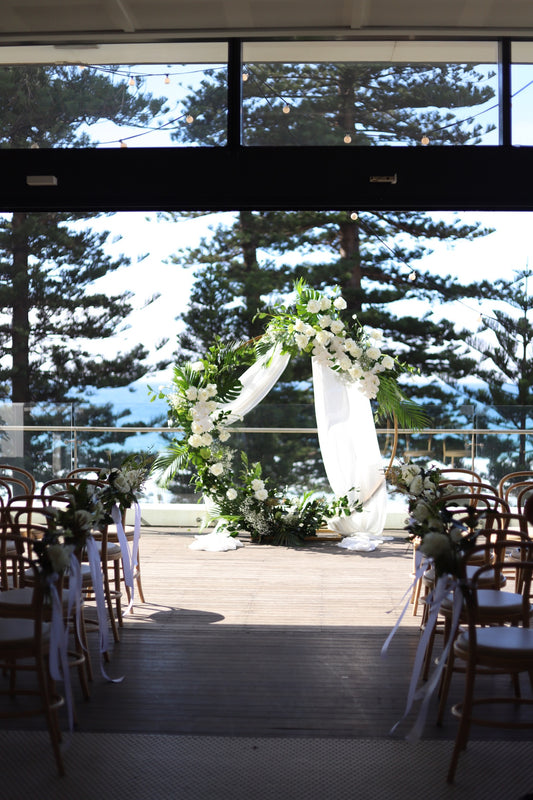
{"x": 123, "y": 144}
{"x": 167, "y": 79}
{"x": 347, "y": 138}
{"x": 354, "y": 215}
{"x": 286, "y": 109}
{"x": 131, "y": 81}
{"x": 189, "y": 118}
{"x": 412, "y": 276}
{"x": 424, "y": 140}
{"x": 245, "y": 76}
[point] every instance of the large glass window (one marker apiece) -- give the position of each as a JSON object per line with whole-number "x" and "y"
{"x": 370, "y": 93}
{"x": 522, "y": 92}
{"x": 112, "y": 96}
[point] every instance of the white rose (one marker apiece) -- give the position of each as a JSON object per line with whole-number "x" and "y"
{"x": 261, "y": 494}
{"x": 373, "y": 353}
{"x": 325, "y": 304}
{"x": 223, "y": 435}
{"x": 324, "y": 321}
{"x": 216, "y": 469}
{"x": 211, "y": 390}
{"x": 231, "y": 494}
{"x": 197, "y": 366}
{"x": 299, "y": 325}
{"x": 195, "y": 440}
{"x": 313, "y": 306}
{"x": 301, "y": 341}
{"x": 434, "y": 545}
{"x": 59, "y": 556}
{"x": 257, "y": 485}
{"x": 337, "y": 326}
{"x": 416, "y": 486}
{"x": 197, "y": 427}
{"x": 191, "y": 393}
{"x": 323, "y": 337}
{"x": 388, "y": 362}
{"x": 207, "y": 439}
{"x": 339, "y": 303}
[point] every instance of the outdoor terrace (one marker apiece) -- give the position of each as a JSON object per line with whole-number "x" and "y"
{"x": 257, "y": 673}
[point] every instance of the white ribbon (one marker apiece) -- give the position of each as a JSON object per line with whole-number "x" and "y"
{"x": 58, "y": 653}
{"x": 98, "y": 589}
{"x": 129, "y": 560}
{"x": 444, "y": 585}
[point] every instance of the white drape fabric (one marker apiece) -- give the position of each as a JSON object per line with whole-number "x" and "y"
{"x": 350, "y": 450}
{"x": 256, "y": 382}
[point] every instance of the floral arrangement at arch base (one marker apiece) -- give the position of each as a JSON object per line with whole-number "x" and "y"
{"x": 244, "y": 500}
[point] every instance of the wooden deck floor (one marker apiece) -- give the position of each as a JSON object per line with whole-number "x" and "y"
{"x": 263, "y": 641}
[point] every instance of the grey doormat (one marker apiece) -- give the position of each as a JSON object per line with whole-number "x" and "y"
{"x": 157, "y": 767}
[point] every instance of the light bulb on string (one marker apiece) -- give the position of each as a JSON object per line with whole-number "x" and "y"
{"x": 131, "y": 81}
{"x": 245, "y": 76}
{"x": 286, "y": 109}
{"x": 412, "y": 276}
{"x": 123, "y": 144}
{"x": 347, "y": 138}
{"x": 167, "y": 79}
{"x": 189, "y": 118}
{"x": 354, "y": 215}
{"x": 424, "y": 140}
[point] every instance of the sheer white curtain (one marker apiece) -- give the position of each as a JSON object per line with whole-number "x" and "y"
{"x": 350, "y": 450}
{"x": 256, "y": 382}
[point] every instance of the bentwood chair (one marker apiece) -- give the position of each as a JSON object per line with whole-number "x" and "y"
{"x": 22, "y": 527}
{"x": 56, "y": 493}
{"x": 129, "y": 530}
{"x": 25, "y": 644}
{"x": 501, "y": 649}
{"x": 22, "y": 476}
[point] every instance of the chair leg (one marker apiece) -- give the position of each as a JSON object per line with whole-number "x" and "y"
{"x": 464, "y": 724}
{"x": 46, "y": 689}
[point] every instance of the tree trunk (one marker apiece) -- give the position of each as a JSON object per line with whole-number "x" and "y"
{"x": 20, "y": 329}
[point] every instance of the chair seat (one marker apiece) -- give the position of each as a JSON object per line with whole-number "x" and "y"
{"x": 113, "y": 550}
{"x": 491, "y": 603}
{"x": 487, "y": 579}
{"x": 499, "y": 644}
{"x": 16, "y": 633}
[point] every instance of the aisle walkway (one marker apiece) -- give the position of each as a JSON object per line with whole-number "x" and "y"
{"x": 256, "y": 674}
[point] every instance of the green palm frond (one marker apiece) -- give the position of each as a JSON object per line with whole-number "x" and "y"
{"x": 168, "y": 462}
{"x": 393, "y": 403}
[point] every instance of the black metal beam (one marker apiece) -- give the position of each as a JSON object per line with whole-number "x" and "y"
{"x": 420, "y": 178}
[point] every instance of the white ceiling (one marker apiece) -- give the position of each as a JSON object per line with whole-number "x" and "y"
{"x": 32, "y": 21}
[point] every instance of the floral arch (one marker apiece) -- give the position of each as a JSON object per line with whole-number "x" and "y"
{"x": 349, "y": 370}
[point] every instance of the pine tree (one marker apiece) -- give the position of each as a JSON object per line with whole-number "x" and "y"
{"x": 504, "y": 342}
{"x": 49, "y": 261}
{"x": 372, "y": 257}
